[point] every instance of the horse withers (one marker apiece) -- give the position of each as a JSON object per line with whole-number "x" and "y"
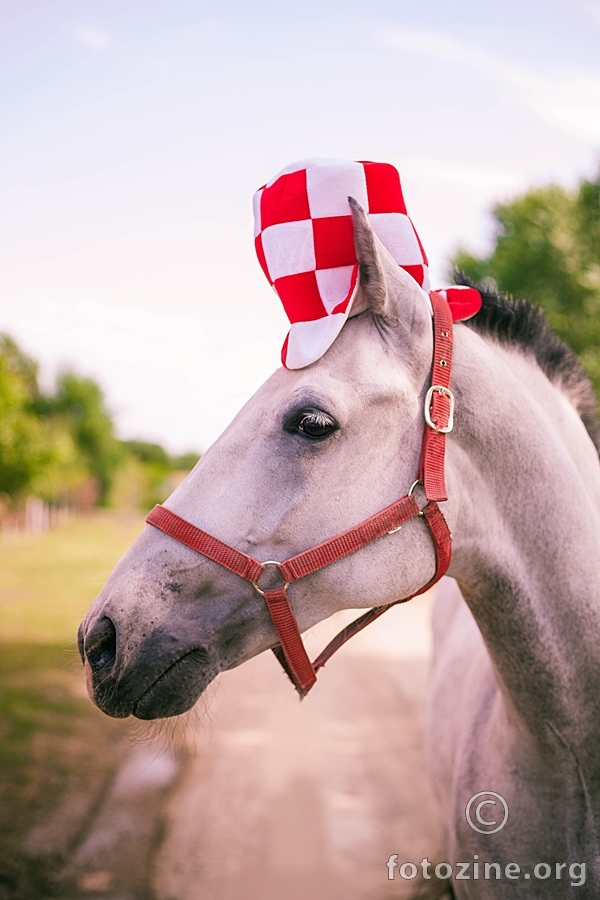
{"x": 515, "y": 701}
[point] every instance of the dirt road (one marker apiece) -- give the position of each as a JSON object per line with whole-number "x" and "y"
{"x": 274, "y": 798}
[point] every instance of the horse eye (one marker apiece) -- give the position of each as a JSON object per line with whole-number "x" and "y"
{"x": 316, "y": 425}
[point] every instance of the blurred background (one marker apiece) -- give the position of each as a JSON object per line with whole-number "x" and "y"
{"x": 135, "y": 322}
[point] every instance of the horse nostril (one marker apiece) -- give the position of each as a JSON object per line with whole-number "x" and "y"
{"x": 101, "y": 644}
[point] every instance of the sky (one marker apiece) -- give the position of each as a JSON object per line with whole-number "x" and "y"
{"x": 133, "y": 134}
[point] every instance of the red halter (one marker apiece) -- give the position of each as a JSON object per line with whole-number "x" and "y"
{"x": 291, "y": 653}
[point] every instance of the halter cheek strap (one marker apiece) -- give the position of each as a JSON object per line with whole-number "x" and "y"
{"x": 291, "y": 653}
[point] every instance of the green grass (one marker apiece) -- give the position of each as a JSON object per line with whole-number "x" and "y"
{"x": 48, "y": 581}
{"x": 51, "y": 736}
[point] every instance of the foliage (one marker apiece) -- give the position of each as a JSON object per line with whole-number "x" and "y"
{"x": 547, "y": 248}
{"x": 23, "y": 451}
{"x": 153, "y": 453}
{"x": 150, "y": 474}
{"x": 78, "y": 405}
{"x": 53, "y": 445}
{"x": 149, "y": 453}
{"x": 185, "y": 462}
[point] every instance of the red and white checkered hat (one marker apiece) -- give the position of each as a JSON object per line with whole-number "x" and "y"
{"x": 305, "y": 244}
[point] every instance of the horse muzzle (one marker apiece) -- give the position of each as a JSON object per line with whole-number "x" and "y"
{"x": 164, "y": 678}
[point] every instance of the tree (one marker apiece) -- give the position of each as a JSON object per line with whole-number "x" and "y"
{"x": 151, "y": 474}
{"x": 52, "y": 444}
{"x": 78, "y": 404}
{"x": 547, "y": 248}
{"x": 23, "y": 452}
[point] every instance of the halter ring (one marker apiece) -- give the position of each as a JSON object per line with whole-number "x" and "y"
{"x": 410, "y": 493}
{"x": 269, "y": 562}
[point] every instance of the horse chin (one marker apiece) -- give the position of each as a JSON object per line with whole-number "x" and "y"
{"x": 176, "y": 689}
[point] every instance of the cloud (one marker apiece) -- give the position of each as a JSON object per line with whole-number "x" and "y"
{"x": 94, "y": 38}
{"x": 568, "y": 100}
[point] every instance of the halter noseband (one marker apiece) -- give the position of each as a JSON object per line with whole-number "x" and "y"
{"x": 291, "y": 653}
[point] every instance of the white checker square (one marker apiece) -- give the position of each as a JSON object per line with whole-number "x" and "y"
{"x": 329, "y": 187}
{"x": 397, "y": 235}
{"x": 289, "y": 248}
{"x": 300, "y": 164}
{"x": 308, "y": 341}
{"x": 334, "y": 285}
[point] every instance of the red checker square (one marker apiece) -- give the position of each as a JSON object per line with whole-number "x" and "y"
{"x": 261, "y": 256}
{"x": 383, "y": 188}
{"x": 416, "y": 272}
{"x": 285, "y": 201}
{"x": 334, "y": 242}
{"x": 300, "y": 297}
{"x": 341, "y": 307}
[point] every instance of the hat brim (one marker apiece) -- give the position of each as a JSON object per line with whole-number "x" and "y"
{"x": 306, "y": 342}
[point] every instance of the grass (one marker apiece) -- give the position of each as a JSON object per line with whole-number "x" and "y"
{"x": 51, "y": 737}
{"x": 48, "y": 581}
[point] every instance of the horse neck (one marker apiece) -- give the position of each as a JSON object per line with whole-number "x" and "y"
{"x": 527, "y": 535}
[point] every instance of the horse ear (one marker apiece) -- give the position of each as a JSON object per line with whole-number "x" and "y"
{"x": 373, "y": 282}
{"x": 385, "y": 288}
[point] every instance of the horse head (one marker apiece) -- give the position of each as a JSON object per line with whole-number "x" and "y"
{"x": 313, "y": 452}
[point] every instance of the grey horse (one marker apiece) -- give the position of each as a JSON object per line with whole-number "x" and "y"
{"x": 514, "y": 722}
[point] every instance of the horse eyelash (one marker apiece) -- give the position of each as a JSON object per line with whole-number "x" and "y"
{"x": 293, "y": 417}
{"x": 321, "y": 419}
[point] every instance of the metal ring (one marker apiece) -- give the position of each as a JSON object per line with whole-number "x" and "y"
{"x": 411, "y": 489}
{"x": 269, "y": 562}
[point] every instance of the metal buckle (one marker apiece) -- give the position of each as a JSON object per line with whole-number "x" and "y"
{"x": 269, "y": 562}
{"x": 440, "y": 389}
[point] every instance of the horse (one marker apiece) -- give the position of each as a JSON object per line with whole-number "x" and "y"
{"x": 514, "y": 715}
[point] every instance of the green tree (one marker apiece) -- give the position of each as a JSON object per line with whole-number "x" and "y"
{"x": 149, "y": 474}
{"x": 78, "y": 404}
{"x": 185, "y": 462}
{"x": 547, "y": 248}
{"x": 63, "y": 469}
{"x": 23, "y": 450}
{"x": 52, "y": 443}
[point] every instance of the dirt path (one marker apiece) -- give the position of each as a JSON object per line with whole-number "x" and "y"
{"x": 279, "y": 799}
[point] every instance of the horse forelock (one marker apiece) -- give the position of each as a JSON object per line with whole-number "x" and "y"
{"x": 523, "y": 324}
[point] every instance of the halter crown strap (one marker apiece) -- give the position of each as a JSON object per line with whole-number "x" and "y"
{"x": 291, "y": 653}
{"x": 439, "y": 404}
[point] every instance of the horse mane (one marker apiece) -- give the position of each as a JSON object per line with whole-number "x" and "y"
{"x": 524, "y": 324}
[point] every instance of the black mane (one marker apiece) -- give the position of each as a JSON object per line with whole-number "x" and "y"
{"x": 522, "y": 323}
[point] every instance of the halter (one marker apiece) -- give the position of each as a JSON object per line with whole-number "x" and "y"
{"x": 291, "y": 653}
